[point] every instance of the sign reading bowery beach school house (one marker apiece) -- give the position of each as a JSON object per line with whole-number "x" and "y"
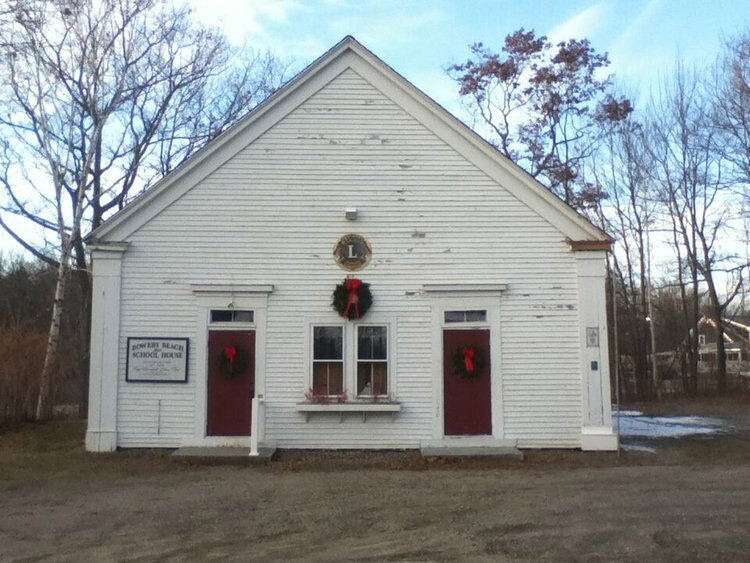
{"x": 157, "y": 360}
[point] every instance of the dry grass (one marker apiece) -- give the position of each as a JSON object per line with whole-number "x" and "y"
{"x": 54, "y": 450}
{"x": 19, "y": 373}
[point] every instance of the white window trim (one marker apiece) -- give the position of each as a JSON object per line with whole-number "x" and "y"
{"x": 350, "y": 355}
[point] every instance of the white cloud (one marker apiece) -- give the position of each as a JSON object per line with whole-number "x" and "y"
{"x": 245, "y": 20}
{"x": 581, "y": 25}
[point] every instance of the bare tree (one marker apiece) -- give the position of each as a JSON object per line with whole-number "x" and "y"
{"x": 731, "y": 115}
{"x": 619, "y": 168}
{"x": 538, "y": 102}
{"x": 690, "y": 171}
{"x": 100, "y": 98}
{"x": 731, "y": 104}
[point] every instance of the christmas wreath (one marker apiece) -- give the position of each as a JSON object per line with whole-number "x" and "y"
{"x": 233, "y": 361}
{"x": 352, "y": 298}
{"x": 468, "y": 361}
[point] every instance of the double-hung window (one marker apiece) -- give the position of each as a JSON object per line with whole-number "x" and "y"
{"x": 328, "y": 360}
{"x": 372, "y": 361}
{"x": 352, "y": 358}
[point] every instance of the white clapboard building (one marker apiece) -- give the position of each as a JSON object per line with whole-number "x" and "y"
{"x": 470, "y": 301}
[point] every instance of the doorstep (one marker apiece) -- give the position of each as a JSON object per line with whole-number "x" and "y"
{"x": 470, "y": 446}
{"x": 223, "y": 453}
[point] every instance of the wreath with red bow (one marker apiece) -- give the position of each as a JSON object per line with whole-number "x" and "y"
{"x": 468, "y": 361}
{"x": 233, "y": 361}
{"x": 352, "y": 298}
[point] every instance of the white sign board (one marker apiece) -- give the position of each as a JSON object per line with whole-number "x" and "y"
{"x": 592, "y": 336}
{"x": 157, "y": 360}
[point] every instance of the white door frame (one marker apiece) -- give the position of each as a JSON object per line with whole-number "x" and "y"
{"x": 221, "y": 298}
{"x": 450, "y": 301}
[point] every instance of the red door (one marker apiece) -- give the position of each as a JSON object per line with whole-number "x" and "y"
{"x": 231, "y": 383}
{"x": 468, "y": 401}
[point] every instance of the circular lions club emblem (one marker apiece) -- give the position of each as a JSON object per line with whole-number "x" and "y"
{"x": 352, "y": 252}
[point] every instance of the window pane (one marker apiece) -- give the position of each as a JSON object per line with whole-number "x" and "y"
{"x": 454, "y": 316}
{"x": 221, "y": 316}
{"x": 327, "y": 343}
{"x": 372, "y": 378}
{"x": 476, "y": 316}
{"x": 328, "y": 378}
{"x": 380, "y": 378}
{"x": 243, "y": 316}
{"x": 372, "y": 343}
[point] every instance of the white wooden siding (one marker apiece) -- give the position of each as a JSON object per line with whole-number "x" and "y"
{"x": 273, "y": 213}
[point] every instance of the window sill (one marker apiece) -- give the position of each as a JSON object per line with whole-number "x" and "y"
{"x": 364, "y": 408}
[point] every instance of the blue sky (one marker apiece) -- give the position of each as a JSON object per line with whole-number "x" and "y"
{"x": 420, "y": 38}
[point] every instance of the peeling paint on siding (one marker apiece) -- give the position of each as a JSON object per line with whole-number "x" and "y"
{"x": 284, "y": 197}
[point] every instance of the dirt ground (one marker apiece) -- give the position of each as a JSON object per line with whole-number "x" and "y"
{"x": 689, "y": 501}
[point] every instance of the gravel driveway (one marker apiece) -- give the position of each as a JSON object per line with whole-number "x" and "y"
{"x": 689, "y": 501}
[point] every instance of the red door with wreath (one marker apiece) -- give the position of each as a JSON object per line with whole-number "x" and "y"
{"x": 467, "y": 382}
{"x": 231, "y": 382}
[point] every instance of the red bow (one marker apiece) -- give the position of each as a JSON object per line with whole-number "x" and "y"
{"x": 352, "y": 285}
{"x": 468, "y": 355}
{"x": 230, "y": 352}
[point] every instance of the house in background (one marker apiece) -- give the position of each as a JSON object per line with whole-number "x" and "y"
{"x": 349, "y": 266}
{"x": 736, "y": 346}
{"x": 736, "y": 341}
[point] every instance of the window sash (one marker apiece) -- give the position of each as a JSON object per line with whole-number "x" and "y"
{"x": 334, "y": 381}
{"x": 328, "y": 354}
{"x": 378, "y": 382}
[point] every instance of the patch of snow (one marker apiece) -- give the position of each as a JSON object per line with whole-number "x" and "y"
{"x": 627, "y": 413}
{"x": 638, "y": 447}
{"x": 638, "y": 425}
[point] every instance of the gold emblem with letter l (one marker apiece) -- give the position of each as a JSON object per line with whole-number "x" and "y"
{"x": 352, "y": 252}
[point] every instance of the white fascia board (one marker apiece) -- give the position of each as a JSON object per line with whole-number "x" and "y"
{"x": 740, "y": 325}
{"x": 117, "y": 247}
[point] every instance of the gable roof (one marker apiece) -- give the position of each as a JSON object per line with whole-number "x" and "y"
{"x": 349, "y": 53}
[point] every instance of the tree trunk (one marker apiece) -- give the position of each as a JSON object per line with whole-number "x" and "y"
{"x": 721, "y": 353}
{"x": 694, "y": 340}
{"x": 47, "y": 380}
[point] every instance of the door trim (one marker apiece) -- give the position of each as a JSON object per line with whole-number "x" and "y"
{"x": 204, "y": 304}
{"x": 440, "y": 304}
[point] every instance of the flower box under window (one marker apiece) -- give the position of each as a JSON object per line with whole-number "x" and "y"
{"x": 363, "y": 408}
